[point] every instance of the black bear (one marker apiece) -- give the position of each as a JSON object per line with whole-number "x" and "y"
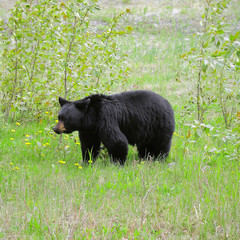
{"x": 141, "y": 118}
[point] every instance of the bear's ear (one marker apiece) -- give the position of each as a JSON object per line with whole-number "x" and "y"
{"x": 82, "y": 104}
{"x": 62, "y": 101}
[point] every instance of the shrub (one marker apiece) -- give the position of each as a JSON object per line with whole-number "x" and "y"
{"x": 214, "y": 65}
{"x": 50, "y": 48}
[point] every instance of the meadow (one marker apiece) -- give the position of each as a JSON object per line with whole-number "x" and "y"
{"x": 46, "y": 192}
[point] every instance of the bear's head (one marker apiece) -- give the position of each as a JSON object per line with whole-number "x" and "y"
{"x": 74, "y": 116}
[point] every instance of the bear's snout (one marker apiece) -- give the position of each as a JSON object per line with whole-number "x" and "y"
{"x": 59, "y": 128}
{"x": 55, "y": 129}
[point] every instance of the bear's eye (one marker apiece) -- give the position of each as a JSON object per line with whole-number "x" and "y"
{"x": 60, "y": 118}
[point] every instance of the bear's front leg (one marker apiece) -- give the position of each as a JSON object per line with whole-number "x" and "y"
{"x": 116, "y": 143}
{"x": 90, "y": 145}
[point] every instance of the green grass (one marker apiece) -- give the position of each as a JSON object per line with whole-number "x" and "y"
{"x": 194, "y": 195}
{"x": 47, "y": 193}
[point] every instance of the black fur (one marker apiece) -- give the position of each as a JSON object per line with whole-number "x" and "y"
{"x": 140, "y": 118}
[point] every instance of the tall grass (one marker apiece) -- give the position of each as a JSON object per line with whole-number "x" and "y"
{"x": 47, "y": 193}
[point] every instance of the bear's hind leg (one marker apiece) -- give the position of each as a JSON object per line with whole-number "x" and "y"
{"x": 161, "y": 151}
{"x": 146, "y": 151}
{"x": 143, "y": 151}
{"x": 154, "y": 151}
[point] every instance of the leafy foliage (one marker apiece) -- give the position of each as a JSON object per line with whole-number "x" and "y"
{"x": 51, "y": 48}
{"x": 215, "y": 64}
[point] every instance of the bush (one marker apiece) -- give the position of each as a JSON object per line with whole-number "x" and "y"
{"x": 214, "y": 65}
{"x": 51, "y": 48}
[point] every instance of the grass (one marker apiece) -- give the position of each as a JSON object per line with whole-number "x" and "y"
{"x": 46, "y": 192}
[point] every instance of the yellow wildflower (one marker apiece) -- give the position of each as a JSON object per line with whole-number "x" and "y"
{"x": 11, "y": 138}
{"x": 28, "y": 143}
{"x": 11, "y": 164}
{"x": 80, "y": 167}
{"x": 76, "y": 164}
{"x": 18, "y": 123}
{"x": 13, "y": 130}
{"x": 63, "y": 162}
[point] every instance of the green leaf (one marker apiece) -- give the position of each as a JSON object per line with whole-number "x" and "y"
{"x": 204, "y": 67}
{"x": 238, "y": 54}
{"x": 237, "y": 34}
{"x": 229, "y": 52}
{"x": 220, "y": 31}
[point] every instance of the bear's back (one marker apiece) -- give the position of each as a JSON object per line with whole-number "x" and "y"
{"x": 143, "y": 102}
{"x": 144, "y": 114}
